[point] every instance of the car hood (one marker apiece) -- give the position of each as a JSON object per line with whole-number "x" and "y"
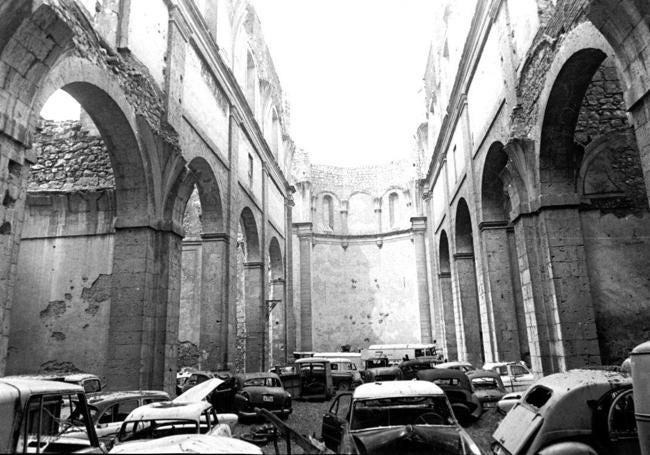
{"x": 188, "y": 443}
{"x": 412, "y": 439}
{"x": 199, "y": 392}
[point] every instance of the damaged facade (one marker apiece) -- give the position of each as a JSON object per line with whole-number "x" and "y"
{"x": 160, "y": 215}
{"x": 537, "y": 139}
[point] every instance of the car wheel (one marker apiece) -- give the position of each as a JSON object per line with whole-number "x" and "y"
{"x": 343, "y": 386}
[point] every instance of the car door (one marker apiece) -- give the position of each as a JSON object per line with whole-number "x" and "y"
{"x": 335, "y": 419}
{"x": 506, "y": 377}
{"x": 521, "y": 378}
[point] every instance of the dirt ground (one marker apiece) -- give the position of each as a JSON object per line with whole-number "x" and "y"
{"x": 307, "y": 418}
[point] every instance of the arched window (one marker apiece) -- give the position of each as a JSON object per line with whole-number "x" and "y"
{"x": 392, "y": 207}
{"x": 328, "y": 211}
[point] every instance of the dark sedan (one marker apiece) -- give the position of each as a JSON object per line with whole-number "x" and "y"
{"x": 264, "y": 391}
{"x": 488, "y": 387}
{"x": 459, "y": 391}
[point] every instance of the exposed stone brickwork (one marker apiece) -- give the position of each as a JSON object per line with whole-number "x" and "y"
{"x": 69, "y": 159}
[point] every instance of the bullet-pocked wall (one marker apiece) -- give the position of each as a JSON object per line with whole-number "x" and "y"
{"x": 359, "y": 247}
{"x": 106, "y": 265}
{"x": 543, "y": 135}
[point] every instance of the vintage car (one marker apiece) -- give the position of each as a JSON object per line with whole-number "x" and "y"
{"x": 315, "y": 379}
{"x": 264, "y": 391}
{"x": 580, "y": 411}
{"x": 459, "y": 391}
{"x": 90, "y": 382}
{"x": 109, "y": 409}
{"x": 395, "y": 417}
{"x": 203, "y": 443}
{"x": 410, "y": 368}
{"x": 488, "y": 387}
{"x": 508, "y": 401}
{"x": 345, "y": 374}
{"x": 382, "y": 374}
{"x": 462, "y": 366}
{"x": 516, "y": 376}
{"x": 35, "y": 416}
{"x": 170, "y": 418}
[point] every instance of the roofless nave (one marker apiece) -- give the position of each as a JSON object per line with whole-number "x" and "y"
{"x": 166, "y": 214}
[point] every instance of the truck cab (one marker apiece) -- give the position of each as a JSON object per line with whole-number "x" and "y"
{"x": 36, "y": 416}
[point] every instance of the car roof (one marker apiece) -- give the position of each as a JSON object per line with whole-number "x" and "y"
{"x": 35, "y": 386}
{"x": 260, "y": 374}
{"x": 170, "y": 410}
{"x": 312, "y": 360}
{"x": 454, "y": 364}
{"x": 443, "y": 373}
{"x": 102, "y": 397}
{"x": 335, "y": 360}
{"x": 68, "y": 377}
{"x": 390, "y": 389}
{"x": 573, "y": 379}
{"x": 482, "y": 374}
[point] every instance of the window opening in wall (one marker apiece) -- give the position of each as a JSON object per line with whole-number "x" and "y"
{"x": 250, "y": 170}
{"x": 392, "y": 203}
{"x": 250, "y": 81}
{"x": 328, "y": 211}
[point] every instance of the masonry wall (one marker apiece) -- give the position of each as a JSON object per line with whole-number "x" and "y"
{"x": 364, "y": 294}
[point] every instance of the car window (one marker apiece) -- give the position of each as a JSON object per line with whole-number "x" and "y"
{"x": 262, "y": 382}
{"x": 353, "y": 367}
{"x": 503, "y": 370}
{"x": 621, "y": 422}
{"x": 518, "y": 370}
{"x": 152, "y": 400}
{"x": 538, "y": 396}
{"x": 335, "y": 367}
{"x": 125, "y": 408}
{"x": 92, "y": 385}
{"x": 384, "y": 412}
{"x": 108, "y": 415}
{"x": 343, "y": 411}
{"x": 419, "y": 353}
{"x": 485, "y": 383}
{"x": 446, "y": 381}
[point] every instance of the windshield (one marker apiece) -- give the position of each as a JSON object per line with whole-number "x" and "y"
{"x": 386, "y": 412}
{"x": 486, "y": 383}
{"x": 153, "y": 429}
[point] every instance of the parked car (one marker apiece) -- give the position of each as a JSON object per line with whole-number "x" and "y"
{"x": 516, "y": 376}
{"x": 580, "y": 411}
{"x": 290, "y": 378}
{"x": 395, "y": 417}
{"x": 90, "y": 382}
{"x": 315, "y": 378}
{"x": 345, "y": 374}
{"x": 411, "y": 367}
{"x": 508, "y": 401}
{"x": 203, "y": 443}
{"x": 264, "y": 391}
{"x": 459, "y": 391}
{"x": 169, "y": 418}
{"x": 35, "y": 416}
{"x": 109, "y": 409}
{"x": 382, "y": 374}
{"x": 462, "y": 366}
{"x": 488, "y": 387}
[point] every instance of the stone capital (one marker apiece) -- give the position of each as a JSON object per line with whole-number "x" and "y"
{"x": 443, "y": 275}
{"x": 463, "y": 256}
{"x": 304, "y": 230}
{"x": 493, "y": 225}
{"x": 215, "y": 237}
{"x": 253, "y": 265}
{"x": 419, "y": 223}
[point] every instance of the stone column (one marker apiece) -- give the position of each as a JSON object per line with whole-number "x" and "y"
{"x": 419, "y": 227}
{"x": 467, "y": 298}
{"x": 143, "y": 325}
{"x": 449, "y": 316}
{"x": 290, "y": 321}
{"x": 277, "y": 318}
{"x": 213, "y": 333}
{"x": 255, "y": 314}
{"x": 499, "y": 287}
{"x": 305, "y": 234}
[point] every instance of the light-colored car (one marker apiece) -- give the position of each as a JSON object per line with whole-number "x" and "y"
{"x": 170, "y": 418}
{"x": 90, "y": 382}
{"x": 395, "y": 417}
{"x": 35, "y": 416}
{"x": 580, "y": 411}
{"x": 508, "y": 401}
{"x": 345, "y": 374}
{"x": 516, "y": 376}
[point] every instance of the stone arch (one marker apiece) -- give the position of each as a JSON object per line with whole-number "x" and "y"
{"x": 447, "y": 298}
{"x": 251, "y": 236}
{"x": 466, "y": 288}
{"x": 495, "y": 204}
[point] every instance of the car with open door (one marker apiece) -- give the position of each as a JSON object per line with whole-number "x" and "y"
{"x": 395, "y": 417}
{"x": 580, "y": 411}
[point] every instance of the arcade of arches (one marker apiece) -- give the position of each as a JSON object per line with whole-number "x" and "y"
{"x": 157, "y": 229}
